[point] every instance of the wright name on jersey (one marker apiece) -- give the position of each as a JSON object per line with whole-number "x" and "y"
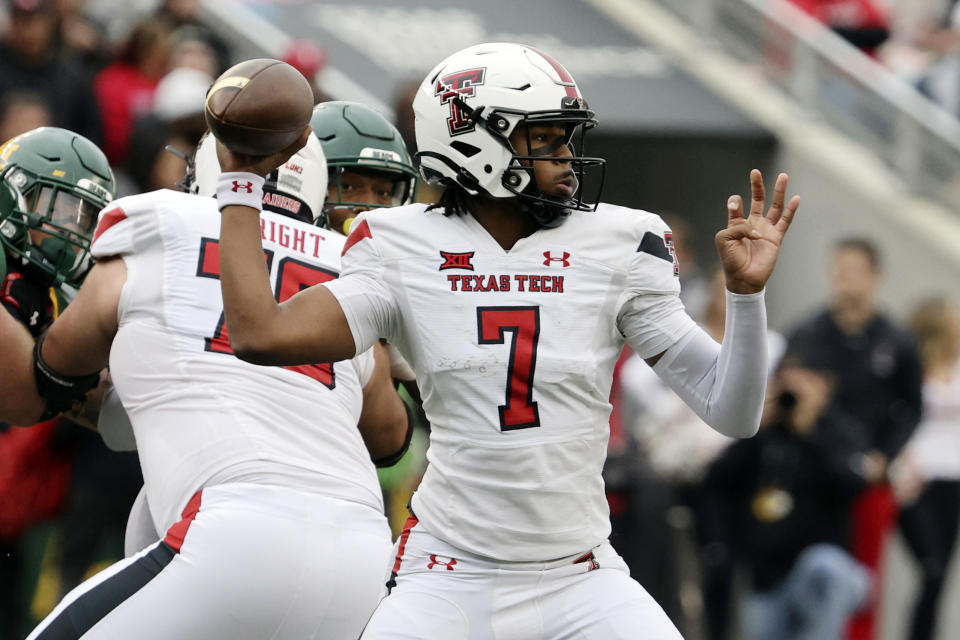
{"x": 200, "y": 415}
{"x": 514, "y": 351}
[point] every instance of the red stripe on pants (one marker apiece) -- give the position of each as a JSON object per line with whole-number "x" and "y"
{"x": 178, "y": 531}
{"x": 407, "y": 527}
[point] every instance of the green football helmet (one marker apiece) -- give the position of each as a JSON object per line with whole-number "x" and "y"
{"x": 357, "y": 138}
{"x": 53, "y": 183}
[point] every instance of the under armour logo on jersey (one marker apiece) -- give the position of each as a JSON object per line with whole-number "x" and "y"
{"x": 434, "y": 562}
{"x": 549, "y": 258}
{"x": 456, "y": 260}
{"x": 246, "y": 186}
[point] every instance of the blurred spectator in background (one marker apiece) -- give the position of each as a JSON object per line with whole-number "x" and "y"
{"x": 912, "y": 22}
{"x": 152, "y": 166}
{"x": 878, "y": 386}
{"x": 863, "y": 23}
{"x": 309, "y": 59}
{"x": 926, "y": 49}
{"x": 639, "y": 498}
{"x": 179, "y": 101}
{"x": 175, "y": 120}
{"x": 31, "y": 59}
{"x": 83, "y": 36}
{"x": 21, "y": 111}
{"x": 778, "y": 504}
{"x": 193, "y": 49}
{"x": 35, "y": 468}
{"x": 125, "y": 88}
{"x": 926, "y": 475}
{"x": 186, "y": 13}
{"x": 103, "y": 486}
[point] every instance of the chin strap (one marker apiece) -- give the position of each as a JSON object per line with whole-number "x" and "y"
{"x": 546, "y": 214}
{"x": 190, "y": 177}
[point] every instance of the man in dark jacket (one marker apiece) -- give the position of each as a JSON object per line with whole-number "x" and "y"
{"x": 878, "y": 386}
{"x": 778, "y": 505}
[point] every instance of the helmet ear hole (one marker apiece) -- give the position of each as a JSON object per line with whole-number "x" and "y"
{"x": 431, "y": 175}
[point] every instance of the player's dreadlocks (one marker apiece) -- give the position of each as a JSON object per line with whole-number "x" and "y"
{"x": 455, "y": 199}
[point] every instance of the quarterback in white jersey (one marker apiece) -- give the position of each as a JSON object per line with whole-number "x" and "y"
{"x": 512, "y": 299}
{"x": 259, "y": 476}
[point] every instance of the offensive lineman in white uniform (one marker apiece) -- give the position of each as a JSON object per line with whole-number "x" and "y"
{"x": 258, "y": 475}
{"x": 512, "y": 300}
{"x": 369, "y": 167}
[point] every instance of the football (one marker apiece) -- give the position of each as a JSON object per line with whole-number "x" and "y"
{"x": 259, "y": 106}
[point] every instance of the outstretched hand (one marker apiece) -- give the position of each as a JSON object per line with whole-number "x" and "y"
{"x": 261, "y": 165}
{"x": 749, "y": 246}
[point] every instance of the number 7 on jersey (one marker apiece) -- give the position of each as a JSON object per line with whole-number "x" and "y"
{"x": 493, "y": 323}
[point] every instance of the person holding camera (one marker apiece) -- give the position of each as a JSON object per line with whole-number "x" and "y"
{"x": 778, "y": 505}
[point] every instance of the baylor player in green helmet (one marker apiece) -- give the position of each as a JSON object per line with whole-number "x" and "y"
{"x": 369, "y": 164}
{"x": 53, "y": 183}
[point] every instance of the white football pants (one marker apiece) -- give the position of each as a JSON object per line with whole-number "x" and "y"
{"x": 247, "y": 561}
{"x": 442, "y": 593}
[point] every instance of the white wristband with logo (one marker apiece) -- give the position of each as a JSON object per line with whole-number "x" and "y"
{"x": 240, "y": 188}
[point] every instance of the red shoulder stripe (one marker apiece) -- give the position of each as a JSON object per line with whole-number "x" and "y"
{"x": 360, "y": 232}
{"x": 109, "y": 219}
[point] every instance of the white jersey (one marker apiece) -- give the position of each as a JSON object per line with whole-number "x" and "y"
{"x": 514, "y": 354}
{"x": 200, "y": 415}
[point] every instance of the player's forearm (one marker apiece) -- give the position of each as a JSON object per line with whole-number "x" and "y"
{"x": 19, "y": 401}
{"x": 384, "y": 423}
{"x": 724, "y": 384}
{"x": 308, "y": 328}
{"x": 79, "y": 342}
{"x": 252, "y": 314}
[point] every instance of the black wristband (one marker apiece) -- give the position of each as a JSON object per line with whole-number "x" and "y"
{"x": 59, "y": 392}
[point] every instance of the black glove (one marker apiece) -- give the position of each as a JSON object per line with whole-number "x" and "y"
{"x": 27, "y": 302}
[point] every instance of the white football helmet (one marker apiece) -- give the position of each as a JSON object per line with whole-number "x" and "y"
{"x": 297, "y": 189}
{"x": 469, "y": 104}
